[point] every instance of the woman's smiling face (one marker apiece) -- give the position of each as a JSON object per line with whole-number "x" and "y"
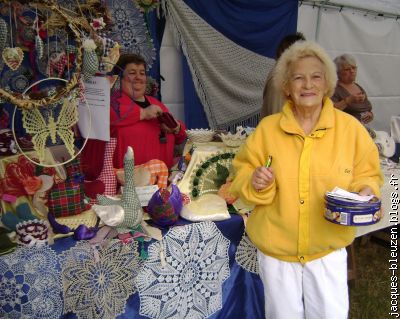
{"x": 134, "y": 80}
{"x": 347, "y": 73}
{"x": 307, "y": 85}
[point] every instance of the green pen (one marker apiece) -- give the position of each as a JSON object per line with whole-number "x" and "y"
{"x": 269, "y": 161}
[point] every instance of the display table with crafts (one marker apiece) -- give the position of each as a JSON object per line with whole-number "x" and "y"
{"x": 203, "y": 269}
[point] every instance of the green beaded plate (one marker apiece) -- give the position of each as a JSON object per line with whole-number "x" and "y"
{"x": 209, "y": 175}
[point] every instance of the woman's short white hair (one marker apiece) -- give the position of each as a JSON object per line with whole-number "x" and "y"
{"x": 297, "y": 51}
{"x": 344, "y": 59}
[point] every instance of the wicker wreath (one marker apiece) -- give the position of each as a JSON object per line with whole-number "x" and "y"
{"x": 27, "y": 102}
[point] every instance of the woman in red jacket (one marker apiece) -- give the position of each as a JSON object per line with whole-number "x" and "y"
{"x": 135, "y": 118}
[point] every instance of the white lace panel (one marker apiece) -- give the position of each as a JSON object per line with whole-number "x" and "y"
{"x": 229, "y": 79}
{"x": 183, "y": 275}
{"x": 246, "y": 255}
{"x": 98, "y": 281}
{"x": 30, "y": 285}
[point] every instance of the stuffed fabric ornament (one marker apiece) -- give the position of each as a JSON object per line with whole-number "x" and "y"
{"x": 39, "y": 46}
{"x": 107, "y": 175}
{"x": 66, "y": 198}
{"x": 3, "y": 34}
{"x": 165, "y": 207}
{"x": 57, "y": 64}
{"x": 90, "y": 60}
{"x": 110, "y": 54}
{"x": 13, "y": 57}
{"x": 149, "y": 173}
{"x": 129, "y": 201}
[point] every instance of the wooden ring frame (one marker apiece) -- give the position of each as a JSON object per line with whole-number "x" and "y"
{"x": 39, "y": 163}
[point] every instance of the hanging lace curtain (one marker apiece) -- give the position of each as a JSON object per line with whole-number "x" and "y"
{"x": 229, "y": 79}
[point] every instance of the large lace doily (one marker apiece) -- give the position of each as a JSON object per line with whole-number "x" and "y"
{"x": 188, "y": 282}
{"x": 246, "y": 255}
{"x": 30, "y": 284}
{"x": 97, "y": 282}
{"x": 129, "y": 30}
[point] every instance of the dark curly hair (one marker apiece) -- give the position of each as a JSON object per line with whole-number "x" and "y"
{"x": 126, "y": 59}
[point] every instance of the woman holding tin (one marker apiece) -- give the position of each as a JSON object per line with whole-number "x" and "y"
{"x": 314, "y": 147}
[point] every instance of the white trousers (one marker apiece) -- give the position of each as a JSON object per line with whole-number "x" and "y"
{"x": 317, "y": 290}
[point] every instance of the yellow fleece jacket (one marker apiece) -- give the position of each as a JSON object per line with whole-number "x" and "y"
{"x": 288, "y": 221}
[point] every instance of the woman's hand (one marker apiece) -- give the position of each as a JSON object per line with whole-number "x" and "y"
{"x": 367, "y": 117}
{"x": 150, "y": 112}
{"x": 366, "y": 191}
{"x": 355, "y": 98}
{"x": 262, "y": 178}
{"x": 166, "y": 129}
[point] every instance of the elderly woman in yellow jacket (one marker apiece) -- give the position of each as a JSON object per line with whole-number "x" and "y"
{"x": 315, "y": 147}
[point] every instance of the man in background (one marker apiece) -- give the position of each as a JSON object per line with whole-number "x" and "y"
{"x": 272, "y": 99}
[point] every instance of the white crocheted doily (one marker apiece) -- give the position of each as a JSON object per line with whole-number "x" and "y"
{"x": 30, "y": 284}
{"x": 183, "y": 275}
{"x": 98, "y": 281}
{"x": 246, "y": 255}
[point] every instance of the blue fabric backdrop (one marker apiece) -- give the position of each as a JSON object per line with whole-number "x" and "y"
{"x": 257, "y": 25}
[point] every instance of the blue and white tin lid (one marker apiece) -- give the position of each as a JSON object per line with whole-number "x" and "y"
{"x": 350, "y": 212}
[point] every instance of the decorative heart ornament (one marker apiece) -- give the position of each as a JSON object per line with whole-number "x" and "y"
{"x": 13, "y": 57}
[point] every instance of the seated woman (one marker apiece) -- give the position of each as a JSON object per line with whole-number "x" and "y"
{"x": 134, "y": 118}
{"x": 350, "y": 96}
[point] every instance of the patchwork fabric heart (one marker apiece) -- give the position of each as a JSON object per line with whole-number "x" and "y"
{"x": 13, "y": 57}
{"x": 66, "y": 198}
{"x": 58, "y": 64}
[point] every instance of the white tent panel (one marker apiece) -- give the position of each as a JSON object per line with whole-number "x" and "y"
{"x": 373, "y": 41}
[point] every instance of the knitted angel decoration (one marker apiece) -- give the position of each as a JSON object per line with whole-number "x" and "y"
{"x": 129, "y": 201}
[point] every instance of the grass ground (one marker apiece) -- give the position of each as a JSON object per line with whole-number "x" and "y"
{"x": 370, "y": 292}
